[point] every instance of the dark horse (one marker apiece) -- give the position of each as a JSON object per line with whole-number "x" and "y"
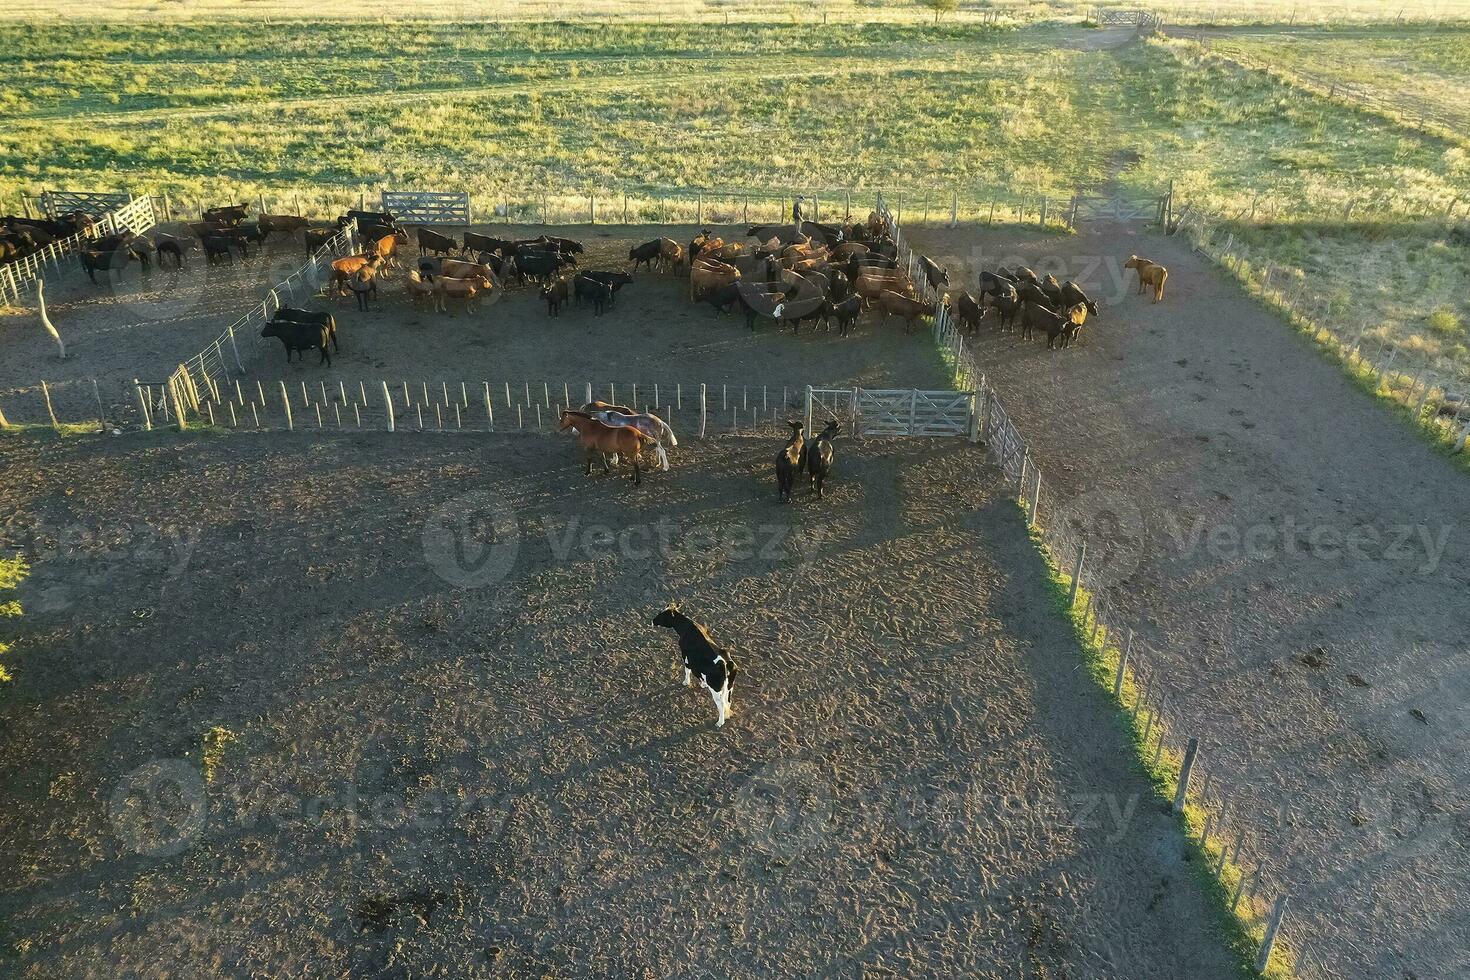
{"x": 715, "y": 666}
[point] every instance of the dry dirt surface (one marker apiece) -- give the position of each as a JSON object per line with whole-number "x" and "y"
{"x": 143, "y": 328}
{"x": 392, "y": 706}
{"x": 1296, "y": 563}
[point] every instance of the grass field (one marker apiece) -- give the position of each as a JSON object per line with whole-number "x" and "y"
{"x": 529, "y": 117}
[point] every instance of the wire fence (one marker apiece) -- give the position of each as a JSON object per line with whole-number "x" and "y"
{"x": 211, "y": 365}
{"x": 1437, "y": 396}
{"x": 20, "y": 275}
{"x": 1241, "y": 861}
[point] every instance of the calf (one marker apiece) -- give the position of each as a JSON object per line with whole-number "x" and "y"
{"x": 218, "y": 247}
{"x": 555, "y": 294}
{"x": 896, "y": 304}
{"x": 938, "y": 278}
{"x": 613, "y": 280}
{"x": 317, "y": 237}
{"x": 971, "y": 313}
{"x": 300, "y": 337}
{"x": 845, "y": 313}
{"x": 646, "y": 254}
{"x": 819, "y": 456}
{"x": 714, "y": 667}
{"x": 789, "y": 462}
{"x": 284, "y": 224}
{"x": 1150, "y": 275}
{"x": 171, "y": 245}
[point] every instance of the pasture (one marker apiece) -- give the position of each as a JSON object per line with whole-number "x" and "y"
{"x": 531, "y": 121}
{"x": 396, "y": 752}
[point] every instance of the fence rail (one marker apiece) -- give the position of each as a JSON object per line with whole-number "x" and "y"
{"x": 92, "y": 203}
{"x": 1239, "y": 859}
{"x": 19, "y": 275}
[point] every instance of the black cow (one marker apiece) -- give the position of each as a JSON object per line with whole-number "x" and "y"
{"x": 598, "y": 292}
{"x": 218, "y": 247}
{"x": 723, "y": 298}
{"x": 1072, "y": 294}
{"x": 432, "y": 241}
{"x": 540, "y": 265}
{"x": 845, "y": 313}
{"x": 317, "y": 237}
{"x": 645, "y": 254}
{"x": 229, "y": 214}
{"x": 1031, "y": 292}
{"x": 287, "y": 314}
{"x": 938, "y": 278}
{"x": 1007, "y": 305}
{"x": 300, "y": 337}
{"x": 996, "y": 282}
{"x": 819, "y": 456}
{"x": 614, "y": 280}
{"x": 485, "y": 243}
{"x": 170, "y": 245}
{"x": 714, "y": 666}
{"x": 370, "y": 218}
{"x": 1058, "y": 326}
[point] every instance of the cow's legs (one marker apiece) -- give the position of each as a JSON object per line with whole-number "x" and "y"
{"x": 688, "y": 676}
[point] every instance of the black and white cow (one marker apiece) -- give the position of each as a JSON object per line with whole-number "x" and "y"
{"x": 714, "y": 666}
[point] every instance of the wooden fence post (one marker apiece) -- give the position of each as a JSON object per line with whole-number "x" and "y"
{"x": 46, "y": 393}
{"x": 809, "y": 433}
{"x": 703, "y": 408}
{"x": 388, "y": 405}
{"x": 1184, "y": 773}
{"x": 1077, "y": 575}
{"x": 1122, "y": 666}
{"x": 1273, "y": 927}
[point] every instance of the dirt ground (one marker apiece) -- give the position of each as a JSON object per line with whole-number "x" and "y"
{"x": 143, "y": 328}
{"x": 387, "y": 706}
{"x": 1295, "y": 561}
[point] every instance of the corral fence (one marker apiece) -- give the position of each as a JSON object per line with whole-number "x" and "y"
{"x": 427, "y": 207}
{"x": 136, "y": 215}
{"x": 1437, "y": 397}
{"x": 196, "y": 380}
{"x": 1240, "y": 860}
{"x": 695, "y": 409}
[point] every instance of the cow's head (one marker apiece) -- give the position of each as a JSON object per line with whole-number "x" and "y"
{"x": 667, "y": 618}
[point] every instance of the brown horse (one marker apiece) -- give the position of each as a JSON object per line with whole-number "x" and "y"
{"x": 601, "y": 441}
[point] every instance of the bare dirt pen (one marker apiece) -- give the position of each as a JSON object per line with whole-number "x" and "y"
{"x": 1293, "y": 557}
{"x": 402, "y": 762}
{"x": 653, "y": 334}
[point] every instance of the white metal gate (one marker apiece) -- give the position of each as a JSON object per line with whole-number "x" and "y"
{"x": 893, "y": 412}
{"x": 95, "y": 204}
{"x": 428, "y": 207}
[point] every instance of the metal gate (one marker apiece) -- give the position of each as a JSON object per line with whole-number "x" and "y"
{"x": 1118, "y": 208}
{"x": 893, "y": 412}
{"x": 428, "y": 207}
{"x": 93, "y": 204}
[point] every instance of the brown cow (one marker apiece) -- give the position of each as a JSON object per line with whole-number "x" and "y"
{"x": 421, "y": 288}
{"x": 1149, "y": 274}
{"x": 896, "y": 304}
{"x": 344, "y": 270}
{"x": 670, "y": 253}
{"x": 467, "y": 289}
{"x": 386, "y": 248}
{"x": 286, "y": 224}
{"x": 461, "y": 269}
{"x": 710, "y": 275}
{"x": 872, "y": 283}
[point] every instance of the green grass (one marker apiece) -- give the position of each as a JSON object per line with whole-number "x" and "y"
{"x": 12, "y": 572}
{"x": 1101, "y": 652}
